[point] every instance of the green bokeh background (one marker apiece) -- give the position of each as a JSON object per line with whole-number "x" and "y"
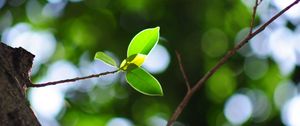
{"x": 200, "y": 30}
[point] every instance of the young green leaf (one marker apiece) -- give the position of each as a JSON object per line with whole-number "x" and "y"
{"x": 137, "y": 60}
{"x": 144, "y": 82}
{"x": 105, "y": 58}
{"x": 143, "y": 42}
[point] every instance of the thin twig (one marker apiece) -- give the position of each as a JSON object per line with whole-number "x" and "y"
{"x": 71, "y": 80}
{"x": 199, "y": 84}
{"x": 183, "y": 71}
{"x": 253, "y": 15}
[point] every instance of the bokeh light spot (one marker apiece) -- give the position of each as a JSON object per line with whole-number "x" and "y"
{"x": 53, "y": 10}
{"x": 222, "y": 81}
{"x": 47, "y": 102}
{"x": 214, "y": 46}
{"x": 88, "y": 67}
{"x": 284, "y": 92}
{"x": 33, "y": 11}
{"x": 282, "y": 49}
{"x": 260, "y": 43}
{"x": 238, "y": 109}
{"x": 261, "y": 105}
{"x": 139, "y": 5}
{"x": 35, "y": 42}
{"x": 119, "y": 122}
{"x": 293, "y": 13}
{"x": 290, "y": 113}
{"x": 244, "y": 50}
{"x": 61, "y": 70}
{"x": 75, "y": 1}
{"x": 262, "y": 9}
{"x": 54, "y": 1}
{"x": 5, "y": 20}
{"x": 158, "y": 60}
{"x": 255, "y": 68}
{"x": 2, "y": 2}
{"x": 157, "y": 121}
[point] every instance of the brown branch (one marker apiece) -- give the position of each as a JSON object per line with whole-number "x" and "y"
{"x": 199, "y": 84}
{"x": 71, "y": 80}
{"x": 183, "y": 71}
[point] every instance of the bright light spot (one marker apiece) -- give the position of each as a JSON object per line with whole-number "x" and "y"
{"x": 263, "y": 7}
{"x": 156, "y": 121}
{"x": 214, "y": 46}
{"x": 284, "y": 92}
{"x": 55, "y": 1}
{"x": 255, "y": 68}
{"x": 293, "y": 13}
{"x": 291, "y": 112}
{"x": 296, "y": 40}
{"x": 278, "y": 41}
{"x": 48, "y": 122}
{"x": 245, "y": 50}
{"x": 260, "y": 43}
{"x": 33, "y": 11}
{"x": 5, "y": 20}
{"x": 98, "y": 67}
{"x": 53, "y": 9}
{"x": 88, "y": 67}
{"x": 238, "y": 109}
{"x": 2, "y": 2}
{"x": 261, "y": 105}
{"x": 75, "y": 1}
{"x": 158, "y": 60}
{"x": 41, "y": 43}
{"x": 47, "y": 101}
{"x": 61, "y": 70}
{"x": 282, "y": 49}
{"x": 222, "y": 81}
{"x": 119, "y": 122}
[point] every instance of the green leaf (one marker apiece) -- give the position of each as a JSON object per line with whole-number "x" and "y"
{"x": 143, "y": 42}
{"x": 105, "y": 58}
{"x": 137, "y": 60}
{"x": 144, "y": 82}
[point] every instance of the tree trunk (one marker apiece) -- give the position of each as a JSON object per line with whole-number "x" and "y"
{"x": 15, "y": 63}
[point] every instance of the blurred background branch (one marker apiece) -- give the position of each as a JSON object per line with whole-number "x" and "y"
{"x": 261, "y": 80}
{"x": 230, "y": 53}
{"x": 187, "y": 83}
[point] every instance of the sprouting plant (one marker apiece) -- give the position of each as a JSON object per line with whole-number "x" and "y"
{"x": 138, "y": 49}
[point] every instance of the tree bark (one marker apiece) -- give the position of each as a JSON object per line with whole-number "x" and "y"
{"x": 15, "y": 63}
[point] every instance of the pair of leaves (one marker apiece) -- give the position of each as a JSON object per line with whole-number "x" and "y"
{"x": 138, "y": 49}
